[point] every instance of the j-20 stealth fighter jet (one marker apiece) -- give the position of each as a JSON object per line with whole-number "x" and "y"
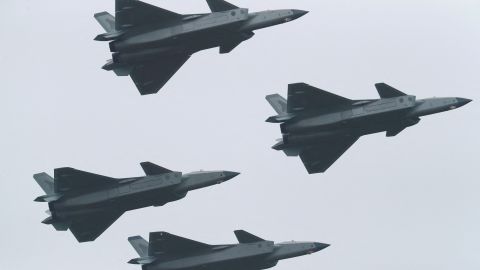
{"x": 150, "y": 43}
{"x": 88, "y": 203}
{"x": 165, "y": 251}
{"x": 320, "y": 126}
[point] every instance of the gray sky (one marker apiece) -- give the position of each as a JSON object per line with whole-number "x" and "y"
{"x": 408, "y": 202}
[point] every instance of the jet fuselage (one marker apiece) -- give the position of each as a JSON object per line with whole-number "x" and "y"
{"x": 87, "y": 204}
{"x": 362, "y": 118}
{"x": 194, "y": 33}
{"x": 134, "y": 193}
{"x": 254, "y": 256}
{"x": 151, "y": 44}
{"x": 320, "y": 126}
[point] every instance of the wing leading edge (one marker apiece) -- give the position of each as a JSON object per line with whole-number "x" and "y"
{"x": 67, "y": 179}
{"x": 304, "y": 98}
{"x": 134, "y": 13}
{"x": 163, "y": 242}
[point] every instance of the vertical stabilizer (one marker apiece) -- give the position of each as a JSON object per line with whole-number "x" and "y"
{"x": 106, "y": 20}
{"x": 45, "y": 181}
{"x": 278, "y": 103}
{"x": 140, "y": 245}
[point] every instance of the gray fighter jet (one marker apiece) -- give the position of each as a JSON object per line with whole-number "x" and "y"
{"x": 88, "y": 203}
{"x": 150, "y": 44}
{"x": 320, "y": 126}
{"x": 165, "y": 251}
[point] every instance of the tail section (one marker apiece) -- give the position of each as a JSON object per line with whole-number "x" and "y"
{"x": 106, "y": 20}
{"x": 45, "y": 181}
{"x": 278, "y": 103}
{"x": 141, "y": 247}
{"x": 58, "y": 225}
{"x": 119, "y": 69}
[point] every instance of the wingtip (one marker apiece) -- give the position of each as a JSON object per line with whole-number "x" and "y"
{"x": 270, "y": 96}
{"x": 134, "y": 237}
{"x": 39, "y": 174}
{"x": 98, "y": 14}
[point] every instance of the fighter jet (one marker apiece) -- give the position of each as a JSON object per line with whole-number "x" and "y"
{"x": 320, "y": 126}
{"x": 88, "y": 203}
{"x": 166, "y": 251}
{"x": 151, "y": 44}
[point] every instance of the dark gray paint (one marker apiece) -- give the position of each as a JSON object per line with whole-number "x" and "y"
{"x": 88, "y": 203}
{"x": 150, "y": 44}
{"x": 54, "y": 117}
{"x": 320, "y": 126}
{"x": 166, "y": 251}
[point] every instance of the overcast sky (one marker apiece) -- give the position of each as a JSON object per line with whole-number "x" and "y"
{"x": 408, "y": 202}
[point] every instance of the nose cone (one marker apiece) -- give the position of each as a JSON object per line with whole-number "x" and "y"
{"x": 463, "y": 101}
{"x": 229, "y": 175}
{"x": 320, "y": 246}
{"x": 297, "y": 13}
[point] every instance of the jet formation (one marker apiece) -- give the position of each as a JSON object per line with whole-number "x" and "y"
{"x": 320, "y": 126}
{"x": 166, "y": 251}
{"x": 88, "y": 203}
{"x": 151, "y": 44}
